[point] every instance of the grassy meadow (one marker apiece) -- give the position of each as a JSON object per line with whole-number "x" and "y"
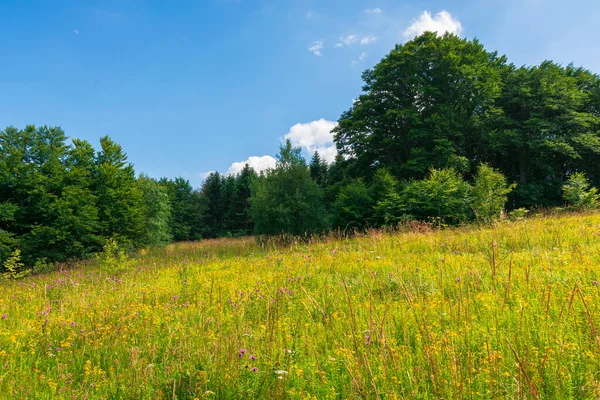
{"x": 506, "y": 312}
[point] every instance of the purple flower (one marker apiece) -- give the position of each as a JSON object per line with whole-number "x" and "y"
{"x": 59, "y": 349}
{"x": 175, "y": 297}
{"x": 242, "y": 352}
{"x": 595, "y": 283}
{"x": 254, "y": 369}
{"x": 4, "y": 316}
{"x": 457, "y": 279}
{"x": 253, "y": 357}
{"x": 73, "y": 324}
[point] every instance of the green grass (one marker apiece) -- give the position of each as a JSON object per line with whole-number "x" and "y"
{"x": 505, "y": 312}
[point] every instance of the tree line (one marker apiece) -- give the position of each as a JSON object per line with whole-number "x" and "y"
{"x": 444, "y": 131}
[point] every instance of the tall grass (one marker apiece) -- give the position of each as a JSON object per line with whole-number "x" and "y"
{"x": 505, "y": 312}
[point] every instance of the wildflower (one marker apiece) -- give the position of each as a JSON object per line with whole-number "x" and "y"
{"x": 253, "y": 357}
{"x": 73, "y": 324}
{"x": 254, "y": 369}
{"x": 59, "y": 349}
{"x": 242, "y": 352}
{"x": 175, "y": 297}
{"x": 281, "y": 372}
{"x": 4, "y": 316}
{"x": 595, "y": 283}
{"x": 457, "y": 279}
{"x": 288, "y": 351}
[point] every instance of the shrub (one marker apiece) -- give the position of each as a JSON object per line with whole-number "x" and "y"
{"x": 518, "y": 214}
{"x": 490, "y": 193}
{"x": 577, "y": 192}
{"x": 353, "y": 208}
{"x": 113, "y": 258}
{"x": 14, "y": 268}
{"x": 443, "y": 197}
{"x": 41, "y": 266}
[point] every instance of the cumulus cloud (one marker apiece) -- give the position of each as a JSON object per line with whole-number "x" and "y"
{"x": 374, "y": 11}
{"x": 314, "y": 136}
{"x": 316, "y": 47}
{"x": 257, "y": 163}
{"x": 442, "y": 22}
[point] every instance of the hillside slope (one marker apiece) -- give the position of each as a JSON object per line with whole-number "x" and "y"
{"x": 508, "y": 312}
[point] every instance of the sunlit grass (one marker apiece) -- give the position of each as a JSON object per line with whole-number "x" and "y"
{"x": 508, "y": 312}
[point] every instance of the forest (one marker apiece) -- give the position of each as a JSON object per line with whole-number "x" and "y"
{"x": 444, "y": 131}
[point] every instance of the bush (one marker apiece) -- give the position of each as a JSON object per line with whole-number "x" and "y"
{"x": 14, "y": 268}
{"x": 113, "y": 258}
{"x": 353, "y": 208}
{"x": 577, "y": 192}
{"x": 443, "y": 198}
{"x": 518, "y": 214}
{"x": 41, "y": 266}
{"x": 490, "y": 193}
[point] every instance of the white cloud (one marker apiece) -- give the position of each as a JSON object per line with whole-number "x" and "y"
{"x": 441, "y": 23}
{"x": 361, "y": 58}
{"x": 374, "y": 11}
{"x": 351, "y": 39}
{"x": 368, "y": 39}
{"x": 314, "y": 136}
{"x": 257, "y": 163}
{"x": 316, "y": 47}
{"x": 347, "y": 40}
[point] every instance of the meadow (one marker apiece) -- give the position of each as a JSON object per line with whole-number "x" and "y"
{"x": 510, "y": 311}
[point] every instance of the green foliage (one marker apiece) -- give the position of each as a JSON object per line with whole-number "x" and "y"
{"x": 157, "y": 212}
{"x": 490, "y": 193}
{"x": 14, "y": 268}
{"x": 42, "y": 266}
{"x": 353, "y": 208}
{"x": 238, "y": 218}
{"x": 446, "y": 102}
{"x": 60, "y": 202}
{"x": 423, "y": 104}
{"x": 578, "y": 193}
{"x": 213, "y": 195}
{"x": 7, "y": 239}
{"x": 186, "y": 209}
{"x": 113, "y": 258}
{"x": 518, "y": 214}
{"x": 287, "y": 199}
{"x": 119, "y": 202}
{"x": 318, "y": 169}
{"x": 443, "y": 197}
{"x": 389, "y": 209}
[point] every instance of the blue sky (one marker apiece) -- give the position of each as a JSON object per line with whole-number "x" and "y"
{"x": 188, "y": 87}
